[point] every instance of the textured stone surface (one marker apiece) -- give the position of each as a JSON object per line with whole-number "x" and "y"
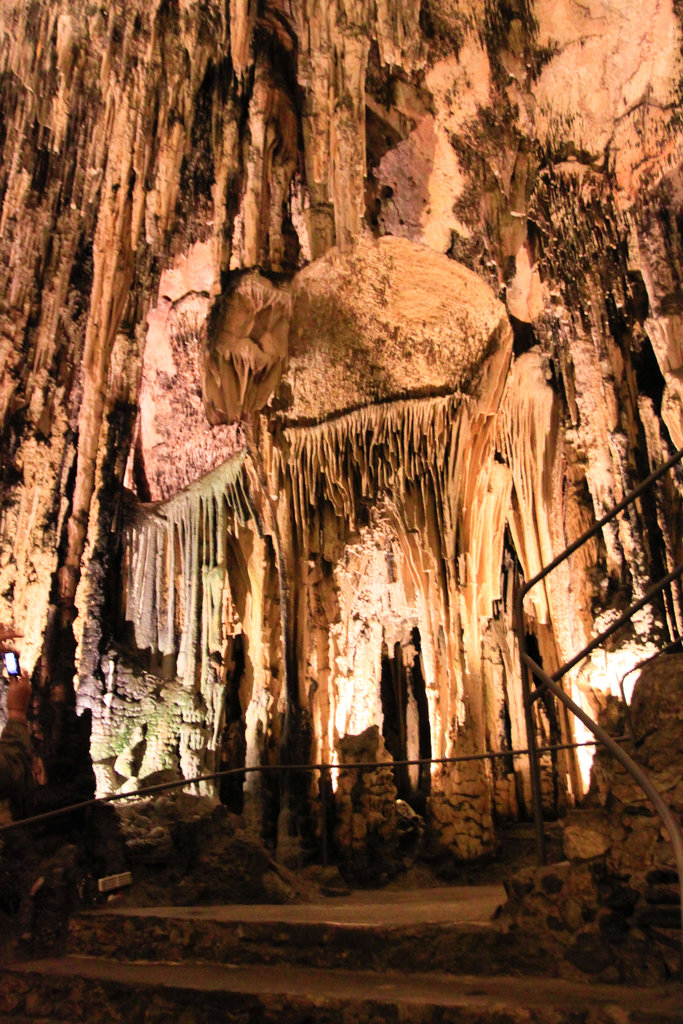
{"x": 387, "y": 321}
{"x": 100, "y": 990}
{"x": 586, "y": 834}
{"x": 367, "y": 831}
{"x": 186, "y": 850}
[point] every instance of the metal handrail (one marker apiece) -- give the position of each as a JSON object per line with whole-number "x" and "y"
{"x": 527, "y": 664}
{"x": 528, "y": 697}
{"x": 635, "y": 770}
{"x": 616, "y": 625}
{"x": 607, "y": 518}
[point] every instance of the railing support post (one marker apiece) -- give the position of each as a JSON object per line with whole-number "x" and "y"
{"x": 322, "y": 783}
{"x": 532, "y": 747}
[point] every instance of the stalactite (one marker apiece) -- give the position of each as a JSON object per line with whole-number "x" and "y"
{"x": 391, "y": 448}
{"x": 198, "y": 521}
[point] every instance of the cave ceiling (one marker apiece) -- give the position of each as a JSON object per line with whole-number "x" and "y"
{"x": 371, "y": 305}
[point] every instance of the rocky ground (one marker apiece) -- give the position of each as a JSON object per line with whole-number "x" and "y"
{"x": 187, "y": 850}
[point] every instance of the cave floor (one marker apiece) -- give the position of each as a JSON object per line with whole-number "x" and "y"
{"x": 455, "y": 904}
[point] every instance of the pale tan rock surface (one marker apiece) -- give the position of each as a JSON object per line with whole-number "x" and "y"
{"x": 389, "y": 320}
{"x": 610, "y": 87}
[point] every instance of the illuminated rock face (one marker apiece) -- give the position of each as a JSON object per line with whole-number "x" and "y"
{"x": 382, "y": 302}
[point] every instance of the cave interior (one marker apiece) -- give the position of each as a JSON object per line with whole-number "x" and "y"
{"x": 323, "y": 328}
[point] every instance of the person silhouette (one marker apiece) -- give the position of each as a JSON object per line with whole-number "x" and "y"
{"x": 15, "y": 743}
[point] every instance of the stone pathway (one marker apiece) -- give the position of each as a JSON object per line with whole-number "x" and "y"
{"x": 427, "y": 956}
{"x": 438, "y": 989}
{"x": 455, "y": 904}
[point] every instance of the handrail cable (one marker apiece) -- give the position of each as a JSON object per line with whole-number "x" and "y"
{"x": 322, "y": 767}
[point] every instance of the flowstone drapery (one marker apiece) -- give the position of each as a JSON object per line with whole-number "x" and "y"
{"x": 191, "y": 530}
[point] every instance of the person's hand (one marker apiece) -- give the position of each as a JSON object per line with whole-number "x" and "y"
{"x": 8, "y": 633}
{"x": 18, "y": 696}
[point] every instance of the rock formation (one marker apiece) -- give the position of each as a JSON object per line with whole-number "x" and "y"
{"x": 323, "y": 326}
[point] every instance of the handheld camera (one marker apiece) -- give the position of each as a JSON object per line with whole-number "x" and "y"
{"x": 11, "y": 659}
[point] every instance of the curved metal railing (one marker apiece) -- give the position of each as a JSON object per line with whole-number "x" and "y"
{"x": 530, "y": 667}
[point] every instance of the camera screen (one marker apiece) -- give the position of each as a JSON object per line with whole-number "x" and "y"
{"x": 11, "y": 663}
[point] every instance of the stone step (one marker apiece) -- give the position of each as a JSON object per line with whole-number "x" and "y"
{"x": 99, "y": 991}
{"x": 463, "y": 948}
{"x": 450, "y": 928}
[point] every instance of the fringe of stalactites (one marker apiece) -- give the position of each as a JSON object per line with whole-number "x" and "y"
{"x": 407, "y": 447}
{"x": 176, "y": 553}
{"x": 417, "y": 453}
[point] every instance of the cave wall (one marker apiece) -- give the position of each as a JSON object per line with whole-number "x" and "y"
{"x": 381, "y": 302}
